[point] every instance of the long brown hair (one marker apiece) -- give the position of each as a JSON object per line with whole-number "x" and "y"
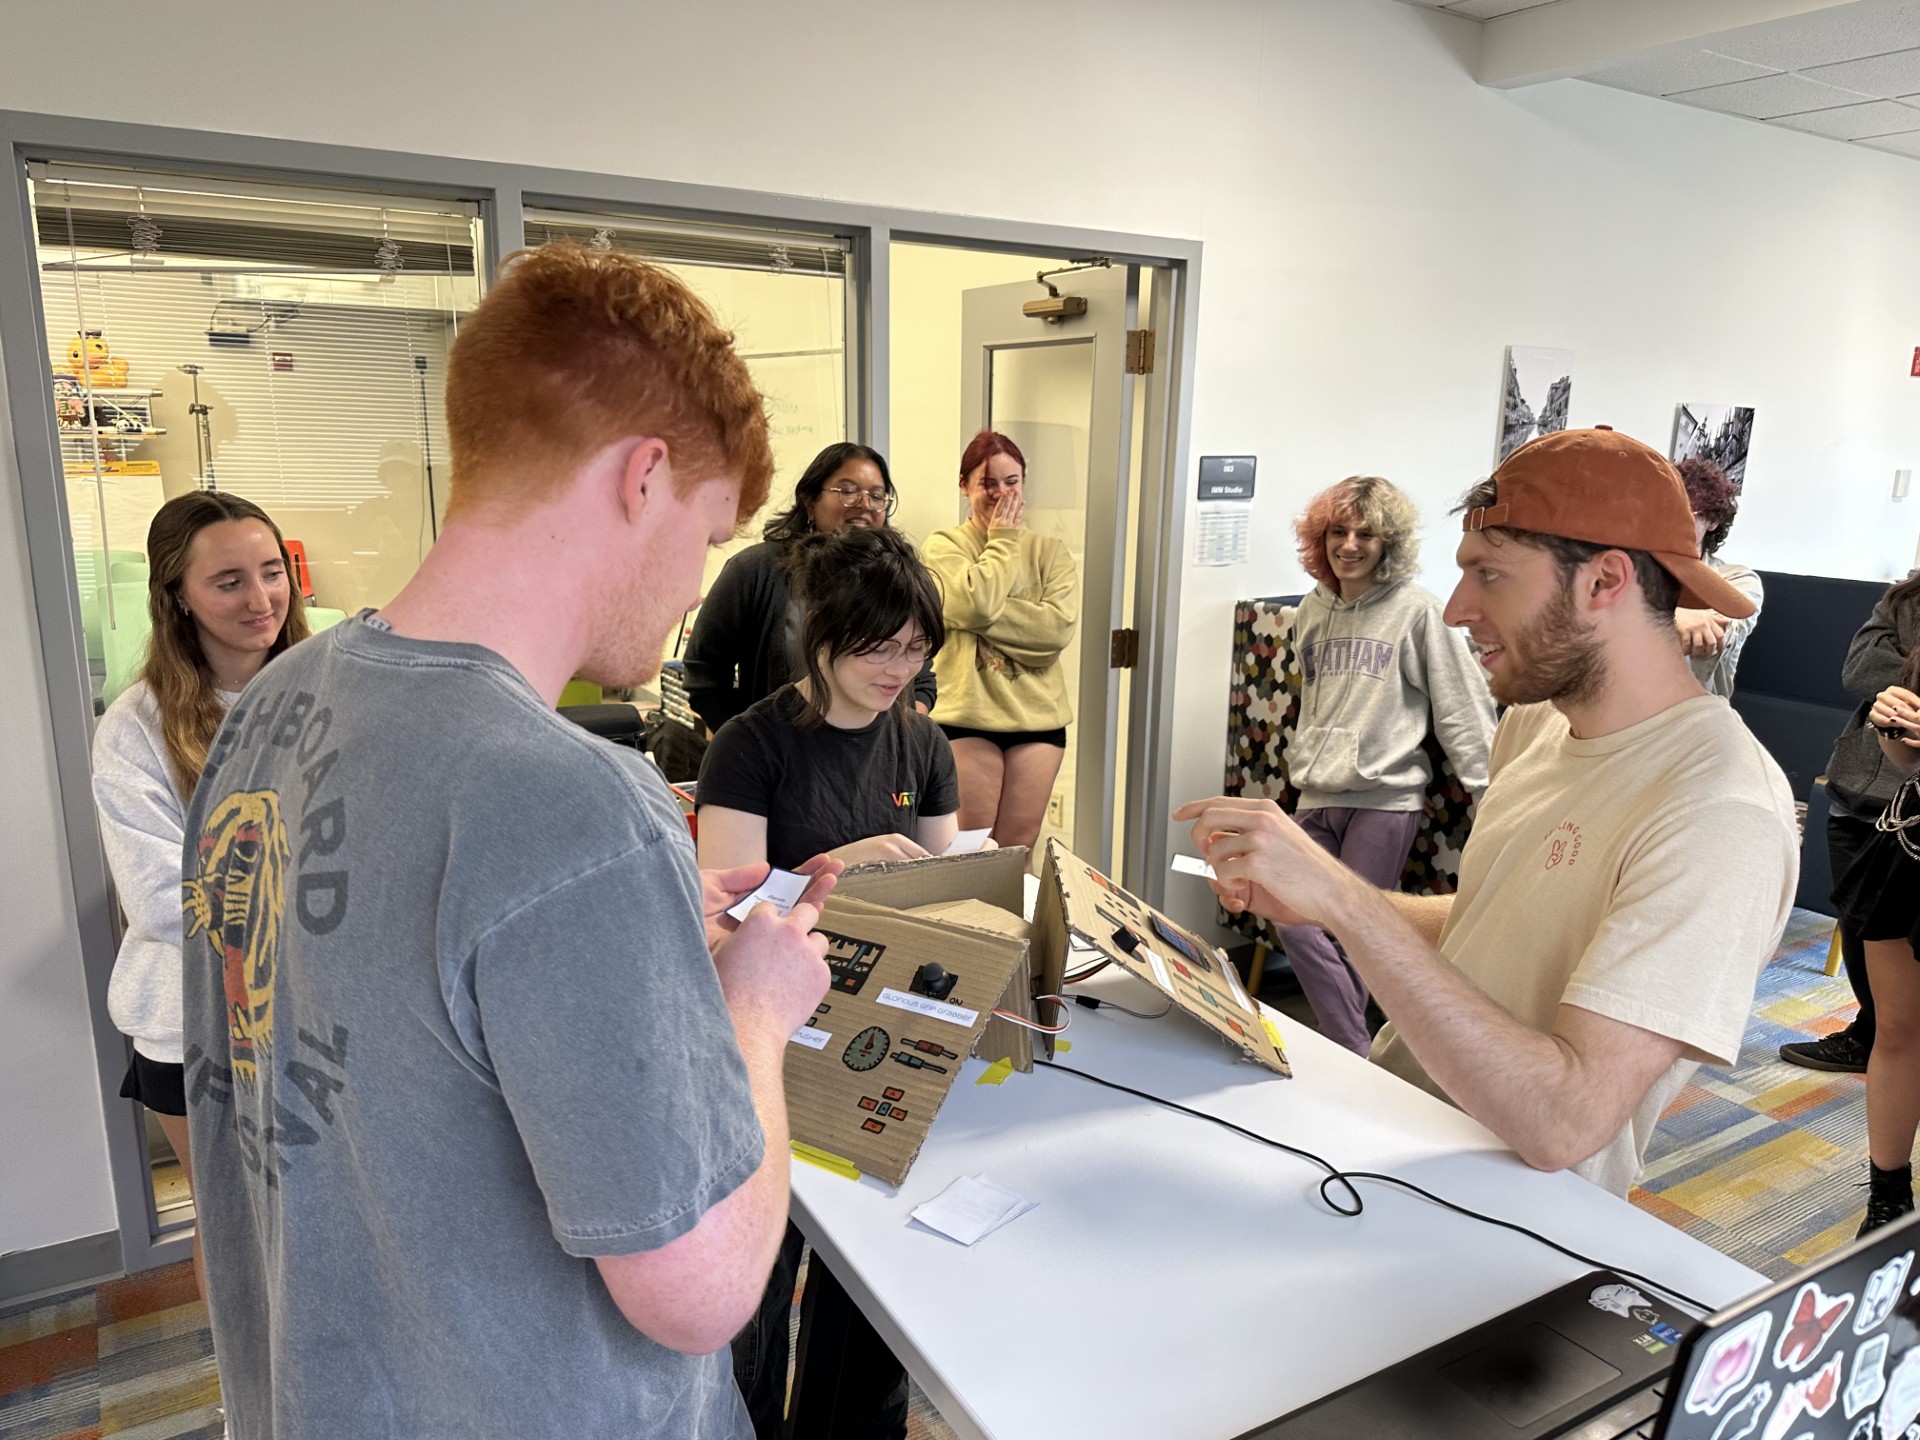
{"x": 176, "y": 669}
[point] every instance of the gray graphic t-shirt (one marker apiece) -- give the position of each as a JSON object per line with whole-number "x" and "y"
{"x": 452, "y": 1029}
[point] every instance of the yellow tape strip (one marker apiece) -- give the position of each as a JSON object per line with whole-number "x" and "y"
{"x": 996, "y": 1072}
{"x": 1063, "y": 1045}
{"x": 1273, "y": 1033}
{"x": 846, "y": 1169}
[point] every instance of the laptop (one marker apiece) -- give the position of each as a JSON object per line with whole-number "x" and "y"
{"x": 1831, "y": 1354}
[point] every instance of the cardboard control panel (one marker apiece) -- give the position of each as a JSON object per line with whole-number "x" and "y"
{"x": 1195, "y": 976}
{"x": 909, "y": 998}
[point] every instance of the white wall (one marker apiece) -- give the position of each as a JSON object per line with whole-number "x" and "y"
{"x": 1377, "y": 226}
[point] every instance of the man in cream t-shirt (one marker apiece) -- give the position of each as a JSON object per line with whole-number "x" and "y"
{"x": 1634, "y": 858}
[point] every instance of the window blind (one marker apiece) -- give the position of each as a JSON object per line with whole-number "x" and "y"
{"x": 286, "y": 343}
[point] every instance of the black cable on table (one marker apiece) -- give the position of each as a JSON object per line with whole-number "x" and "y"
{"x": 1343, "y": 1180}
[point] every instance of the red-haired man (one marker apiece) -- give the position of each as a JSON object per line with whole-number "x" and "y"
{"x": 491, "y": 1143}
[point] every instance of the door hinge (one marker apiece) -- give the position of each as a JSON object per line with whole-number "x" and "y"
{"x": 1139, "y": 352}
{"x": 1125, "y": 651}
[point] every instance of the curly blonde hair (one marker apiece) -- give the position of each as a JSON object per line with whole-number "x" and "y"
{"x": 573, "y": 349}
{"x": 1374, "y": 504}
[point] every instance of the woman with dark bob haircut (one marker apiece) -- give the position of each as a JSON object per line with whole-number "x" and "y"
{"x": 746, "y": 639}
{"x": 837, "y": 763}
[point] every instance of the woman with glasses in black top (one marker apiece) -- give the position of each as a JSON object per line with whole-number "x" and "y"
{"x": 838, "y": 763}
{"x": 745, "y": 641}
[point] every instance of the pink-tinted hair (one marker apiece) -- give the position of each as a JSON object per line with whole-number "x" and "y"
{"x": 983, "y": 447}
{"x": 1375, "y": 504}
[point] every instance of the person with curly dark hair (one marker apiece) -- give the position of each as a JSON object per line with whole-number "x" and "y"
{"x": 1711, "y": 640}
{"x": 746, "y": 637}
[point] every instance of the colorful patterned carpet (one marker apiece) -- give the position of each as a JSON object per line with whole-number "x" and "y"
{"x": 1762, "y": 1161}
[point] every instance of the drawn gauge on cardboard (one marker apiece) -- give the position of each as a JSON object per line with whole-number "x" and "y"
{"x": 867, "y": 1049}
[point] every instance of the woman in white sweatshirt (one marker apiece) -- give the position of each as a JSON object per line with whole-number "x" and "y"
{"x": 221, "y": 605}
{"x": 1378, "y": 668}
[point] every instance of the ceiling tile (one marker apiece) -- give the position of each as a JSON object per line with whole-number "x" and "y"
{"x": 1885, "y": 75}
{"x": 1908, "y": 144}
{"x": 1770, "y": 96}
{"x": 1856, "y": 122}
{"x": 1684, "y": 70}
{"x": 1827, "y": 37}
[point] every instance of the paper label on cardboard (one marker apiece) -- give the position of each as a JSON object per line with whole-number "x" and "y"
{"x": 1193, "y": 865}
{"x": 1239, "y": 990}
{"x": 968, "y": 841}
{"x": 932, "y": 1009}
{"x": 811, "y": 1038}
{"x": 1159, "y": 968}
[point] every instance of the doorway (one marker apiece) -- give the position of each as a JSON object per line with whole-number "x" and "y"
{"x": 968, "y": 355}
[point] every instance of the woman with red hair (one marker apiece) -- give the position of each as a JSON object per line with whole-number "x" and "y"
{"x": 1379, "y": 668}
{"x": 1012, "y": 603}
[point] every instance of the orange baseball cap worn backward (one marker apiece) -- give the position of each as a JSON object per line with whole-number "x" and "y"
{"x": 1607, "y": 489}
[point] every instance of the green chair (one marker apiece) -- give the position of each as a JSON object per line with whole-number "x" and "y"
{"x": 94, "y": 568}
{"x": 123, "y": 643}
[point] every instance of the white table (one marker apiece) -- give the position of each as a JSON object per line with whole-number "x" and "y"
{"x": 1177, "y": 1279}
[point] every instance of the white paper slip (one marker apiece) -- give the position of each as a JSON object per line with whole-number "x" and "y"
{"x": 811, "y": 1038}
{"x": 972, "y": 1208}
{"x": 1193, "y": 865}
{"x": 1239, "y": 990}
{"x": 929, "y": 1007}
{"x": 1159, "y": 969}
{"x": 968, "y": 841}
{"x": 782, "y": 889}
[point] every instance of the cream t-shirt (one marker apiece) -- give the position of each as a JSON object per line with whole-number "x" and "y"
{"x": 1645, "y": 876}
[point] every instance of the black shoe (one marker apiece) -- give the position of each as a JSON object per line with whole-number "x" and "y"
{"x": 1884, "y": 1209}
{"x": 1842, "y": 1052}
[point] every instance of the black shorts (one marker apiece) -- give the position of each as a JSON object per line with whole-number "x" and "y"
{"x": 1007, "y": 739}
{"x": 161, "y": 1087}
{"x": 1880, "y": 891}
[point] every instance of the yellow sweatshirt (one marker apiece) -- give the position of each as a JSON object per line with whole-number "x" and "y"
{"x": 1012, "y": 601}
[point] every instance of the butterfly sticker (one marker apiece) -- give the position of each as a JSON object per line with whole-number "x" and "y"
{"x": 1744, "y": 1418}
{"x": 1616, "y": 1299}
{"x": 1815, "y": 1317}
{"x": 1731, "y": 1361}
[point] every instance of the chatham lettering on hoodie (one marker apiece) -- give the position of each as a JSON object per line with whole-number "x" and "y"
{"x": 1376, "y": 672}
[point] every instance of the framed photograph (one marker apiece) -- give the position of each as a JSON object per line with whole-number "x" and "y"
{"x": 1535, "y": 397}
{"x": 1720, "y": 433}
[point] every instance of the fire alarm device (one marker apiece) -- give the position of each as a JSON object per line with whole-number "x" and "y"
{"x": 1916, "y": 361}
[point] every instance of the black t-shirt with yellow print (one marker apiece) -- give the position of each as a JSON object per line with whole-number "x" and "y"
{"x": 821, "y": 787}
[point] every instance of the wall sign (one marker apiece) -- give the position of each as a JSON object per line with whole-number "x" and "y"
{"x": 1227, "y": 477}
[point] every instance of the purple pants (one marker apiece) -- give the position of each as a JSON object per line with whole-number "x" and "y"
{"x": 1374, "y": 845}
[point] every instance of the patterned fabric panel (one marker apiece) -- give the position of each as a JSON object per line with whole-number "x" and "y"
{"x": 1263, "y": 711}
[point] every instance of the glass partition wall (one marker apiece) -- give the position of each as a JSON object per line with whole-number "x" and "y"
{"x": 283, "y": 343}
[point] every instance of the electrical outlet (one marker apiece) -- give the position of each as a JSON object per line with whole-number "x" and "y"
{"x": 1057, "y": 810}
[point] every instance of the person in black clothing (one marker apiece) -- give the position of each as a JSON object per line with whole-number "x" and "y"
{"x": 1860, "y": 781}
{"x": 746, "y": 637}
{"x": 838, "y": 763}
{"x": 1879, "y": 893}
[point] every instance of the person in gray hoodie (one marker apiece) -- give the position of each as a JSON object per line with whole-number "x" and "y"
{"x": 1379, "y": 666}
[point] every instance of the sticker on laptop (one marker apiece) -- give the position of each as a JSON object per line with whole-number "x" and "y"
{"x": 1878, "y": 1295}
{"x": 1618, "y": 1300}
{"x": 1812, "y": 1396}
{"x": 1869, "y": 1379}
{"x": 1744, "y": 1418}
{"x": 1815, "y": 1316}
{"x": 1900, "y": 1406}
{"x": 1731, "y": 1361}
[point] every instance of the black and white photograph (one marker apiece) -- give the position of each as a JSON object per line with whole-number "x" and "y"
{"x": 1720, "y": 433}
{"x": 1535, "y": 398}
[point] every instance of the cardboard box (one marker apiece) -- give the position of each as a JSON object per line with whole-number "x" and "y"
{"x": 866, "y": 1079}
{"x": 867, "y": 1076}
